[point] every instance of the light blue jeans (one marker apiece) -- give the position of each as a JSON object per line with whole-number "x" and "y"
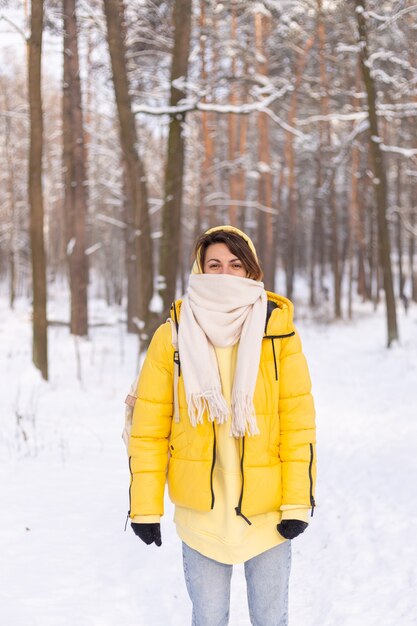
{"x": 267, "y": 576}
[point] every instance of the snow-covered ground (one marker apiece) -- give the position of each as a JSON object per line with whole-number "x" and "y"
{"x": 64, "y": 558}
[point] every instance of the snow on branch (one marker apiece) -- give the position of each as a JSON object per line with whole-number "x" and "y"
{"x": 284, "y": 125}
{"x": 111, "y": 220}
{"x": 93, "y": 248}
{"x": 332, "y": 117}
{"x": 408, "y": 109}
{"x": 378, "y": 18}
{"x": 388, "y": 55}
{"x": 397, "y": 16}
{"x": 407, "y": 152}
{"x": 195, "y": 105}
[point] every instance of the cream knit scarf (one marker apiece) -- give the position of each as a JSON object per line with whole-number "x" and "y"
{"x": 219, "y": 310}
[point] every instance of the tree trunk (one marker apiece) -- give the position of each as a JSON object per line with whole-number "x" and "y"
{"x": 315, "y": 250}
{"x": 380, "y": 184}
{"x": 411, "y": 257}
{"x": 353, "y": 223}
{"x": 325, "y": 137}
{"x": 135, "y": 174}
{"x": 241, "y": 173}
{"x": 233, "y": 130}
{"x": 266, "y": 222}
{"x": 130, "y": 259}
{"x": 11, "y": 192}
{"x": 358, "y": 209}
{"x": 174, "y": 171}
{"x": 289, "y": 152}
{"x": 206, "y": 162}
{"x": 243, "y": 135}
{"x": 74, "y": 174}
{"x": 412, "y": 57}
{"x": 40, "y": 326}
{"x": 399, "y": 183}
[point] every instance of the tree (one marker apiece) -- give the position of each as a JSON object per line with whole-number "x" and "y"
{"x": 74, "y": 162}
{"x": 380, "y": 181}
{"x": 174, "y": 170}
{"x": 11, "y": 193}
{"x": 292, "y": 201}
{"x": 135, "y": 171}
{"x": 325, "y": 143}
{"x": 40, "y": 327}
{"x": 266, "y": 221}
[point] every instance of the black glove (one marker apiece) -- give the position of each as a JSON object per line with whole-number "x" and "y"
{"x": 149, "y": 533}
{"x": 291, "y": 528}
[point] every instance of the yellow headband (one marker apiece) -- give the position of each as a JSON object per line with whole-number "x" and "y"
{"x": 196, "y": 269}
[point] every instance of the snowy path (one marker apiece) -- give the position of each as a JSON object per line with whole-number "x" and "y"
{"x": 65, "y": 560}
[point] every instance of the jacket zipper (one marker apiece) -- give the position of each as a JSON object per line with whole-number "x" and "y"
{"x": 130, "y": 492}
{"x": 310, "y": 473}
{"x": 238, "y": 509}
{"x": 275, "y": 358}
{"x": 212, "y": 467}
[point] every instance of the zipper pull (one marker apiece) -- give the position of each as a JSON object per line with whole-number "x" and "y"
{"x": 127, "y": 519}
{"x": 313, "y": 504}
{"x": 240, "y": 514}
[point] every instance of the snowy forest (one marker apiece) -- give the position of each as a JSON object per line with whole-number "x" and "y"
{"x": 291, "y": 120}
{"x": 129, "y": 127}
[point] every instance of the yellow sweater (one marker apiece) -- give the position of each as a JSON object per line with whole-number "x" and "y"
{"x": 220, "y": 534}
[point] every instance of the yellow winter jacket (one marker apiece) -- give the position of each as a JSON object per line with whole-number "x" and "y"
{"x": 278, "y": 466}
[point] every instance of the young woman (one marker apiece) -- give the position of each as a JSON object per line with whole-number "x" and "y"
{"x": 240, "y": 456}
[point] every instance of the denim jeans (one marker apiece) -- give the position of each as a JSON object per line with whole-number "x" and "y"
{"x": 267, "y": 576}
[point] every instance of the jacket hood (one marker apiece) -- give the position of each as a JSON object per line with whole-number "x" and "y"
{"x": 196, "y": 269}
{"x": 281, "y": 319}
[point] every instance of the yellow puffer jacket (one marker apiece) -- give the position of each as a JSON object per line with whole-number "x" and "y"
{"x": 278, "y": 465}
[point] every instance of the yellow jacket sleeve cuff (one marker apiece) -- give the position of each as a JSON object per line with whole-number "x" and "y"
{"x": 146, "y": 519}
{"x": 295, "y": 512}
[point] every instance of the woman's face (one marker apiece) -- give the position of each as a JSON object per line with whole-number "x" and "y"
{"x": 219, "y": 260}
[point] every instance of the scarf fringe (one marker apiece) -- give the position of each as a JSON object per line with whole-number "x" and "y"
{"x": 244, "y": 417}
{"x": 211, "y": 401}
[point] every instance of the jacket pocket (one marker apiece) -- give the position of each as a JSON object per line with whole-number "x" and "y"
{"x": 177, "y": 443}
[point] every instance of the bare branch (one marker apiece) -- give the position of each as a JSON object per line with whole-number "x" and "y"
{"x": 15, "y": 26}
{"x": 405, "y": 222}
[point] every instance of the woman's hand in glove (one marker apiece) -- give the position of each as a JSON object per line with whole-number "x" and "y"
{"x": 149, "y": 533}
{"x": 291, "y": 528}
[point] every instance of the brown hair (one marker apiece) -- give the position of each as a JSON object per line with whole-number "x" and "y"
{"x": 236, "y": 244}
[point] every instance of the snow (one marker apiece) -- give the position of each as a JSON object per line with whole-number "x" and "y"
{"x": 91, "y": 249}
{"x": 406, "y": 152}
{"x": 64, "y": 482}
{"x": 196, "y": 105}
{"x": 111, "y": 220}
{"x": 71, "y": 246}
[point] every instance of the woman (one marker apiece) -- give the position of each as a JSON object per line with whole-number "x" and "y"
{"x": 240, "y": 455}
